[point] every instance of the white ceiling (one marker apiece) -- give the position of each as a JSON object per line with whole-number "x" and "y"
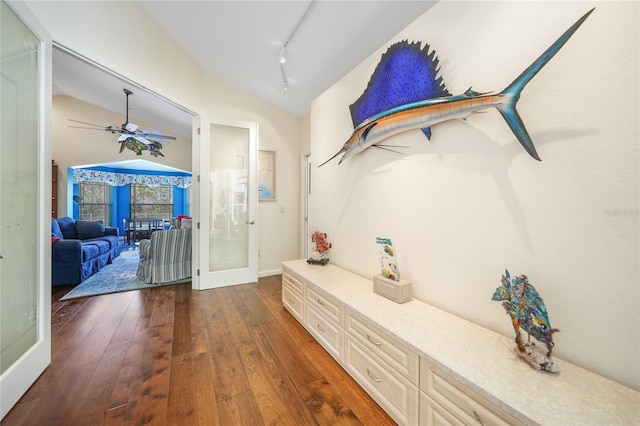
{"x": 239, "y": 41}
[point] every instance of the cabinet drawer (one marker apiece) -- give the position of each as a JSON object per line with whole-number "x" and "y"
{"x": 395, "y": 394}
{"x": 293, "y": 301}
{"x": 293, "y": 282}
{"x": 433, "y": 414}
{"x": 460, "y": 401}
{"x": 326, "y": 332}
{"x": 400, "y": 357}
{"x": 329, "y": 308}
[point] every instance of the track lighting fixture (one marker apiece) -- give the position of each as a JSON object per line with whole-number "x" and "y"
{"x": 281, "y": 53}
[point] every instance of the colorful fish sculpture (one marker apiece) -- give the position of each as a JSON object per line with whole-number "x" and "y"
{"x": 526, "y": 308}
{"x": 388, "y": 263}
{"x": 136, "y": 146}
{"x": 406, "y": 93}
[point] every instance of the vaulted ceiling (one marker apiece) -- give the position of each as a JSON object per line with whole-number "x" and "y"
{"x": 239, "y": 42}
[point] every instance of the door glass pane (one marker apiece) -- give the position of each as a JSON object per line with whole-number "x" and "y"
{"x": 19, "y": 204}
{"x": 228, "y": 198}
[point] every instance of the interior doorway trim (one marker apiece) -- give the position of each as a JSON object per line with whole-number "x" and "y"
{"x": 195, "y": 139}
{"x": 110, "y": 72}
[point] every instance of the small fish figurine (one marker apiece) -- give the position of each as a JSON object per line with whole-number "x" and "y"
{"x": 526, "y": 308}
{"x": 406, "y": 93}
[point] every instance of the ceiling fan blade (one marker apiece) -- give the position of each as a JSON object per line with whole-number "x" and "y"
{"x": 87, "y": 128}
{"x": 109, "y": 128}
{"x": 157, "y": 134}
{"x": 154, "y": 136}
{"x": 84, "y": 122}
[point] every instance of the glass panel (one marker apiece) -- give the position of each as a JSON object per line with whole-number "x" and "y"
{"x": 95, "y": 202}
{"x": 19, "y": 175}
{"x": 228, "y": 199}
{"x": 151, "y": 203}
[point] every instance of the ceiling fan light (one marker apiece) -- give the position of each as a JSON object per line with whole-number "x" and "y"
{"x": 131, "y": 127}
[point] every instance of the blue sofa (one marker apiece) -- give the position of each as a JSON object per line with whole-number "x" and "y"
{"x": 80, "y": 249}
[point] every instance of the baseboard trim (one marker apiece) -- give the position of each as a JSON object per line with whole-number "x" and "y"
{"x": 269, "y": 273}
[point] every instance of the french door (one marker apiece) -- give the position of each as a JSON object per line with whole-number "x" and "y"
{"x": 228, "y": 237}
{"x": 25, "y": 191}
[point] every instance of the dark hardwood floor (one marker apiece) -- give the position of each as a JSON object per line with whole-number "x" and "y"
{"x": 173, "y": 356}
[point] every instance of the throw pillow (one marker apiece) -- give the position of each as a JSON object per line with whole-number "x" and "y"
{"x": 68, "y": 227}
{"x": 55, "y": 228}
{"x": 89, "y": 229}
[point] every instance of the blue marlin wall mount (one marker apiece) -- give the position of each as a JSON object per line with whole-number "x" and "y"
{"x": 406, "y": 93}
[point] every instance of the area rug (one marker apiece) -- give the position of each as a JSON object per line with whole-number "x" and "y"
{"x": 116, "y": 277}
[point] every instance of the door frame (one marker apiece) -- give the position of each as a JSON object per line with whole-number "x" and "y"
{"x": 205, "y": 279}
{"x": 305, "y": 203}
{"x": 23, "y": 373}
{"x": 195, "y": 137}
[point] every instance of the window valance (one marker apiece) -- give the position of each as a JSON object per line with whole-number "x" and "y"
{"x": 129, "y": 177}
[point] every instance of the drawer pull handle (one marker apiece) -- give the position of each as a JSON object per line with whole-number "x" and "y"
{"x": 373, "y": 341}
{"x": 320, "y": 328}
{"x": 375, "y": 379}
{"x": 320, "y": 301}
{"x": 475, "y": 413}
{"x": 291, "y": 301}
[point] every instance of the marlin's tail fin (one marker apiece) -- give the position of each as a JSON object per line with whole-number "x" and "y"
{"x": 512, "y": 92}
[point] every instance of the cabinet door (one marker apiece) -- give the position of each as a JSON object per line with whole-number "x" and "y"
{"x": 329, "y": 307}
{"x": 293, "y": 301}
{"x": 458, "y": 400}
{"x": 400, "y": 357}
{"x": 326, "y": 332}
{"x": 433, "y": 414}
{"x": 395, "y": 394}
{"x": 289, "y": 279}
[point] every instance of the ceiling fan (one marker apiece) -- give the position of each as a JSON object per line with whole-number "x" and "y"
{"x": 130, "y": 136}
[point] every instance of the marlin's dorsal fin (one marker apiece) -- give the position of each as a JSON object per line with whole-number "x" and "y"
{"x": 406, "y": 73}
{"x": 472, "y": 93}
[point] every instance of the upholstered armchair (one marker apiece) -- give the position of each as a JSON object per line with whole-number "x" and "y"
{"x": 166, "y": 257}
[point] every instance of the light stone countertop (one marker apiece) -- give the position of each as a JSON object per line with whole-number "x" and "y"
{"x": 481, "y": 359}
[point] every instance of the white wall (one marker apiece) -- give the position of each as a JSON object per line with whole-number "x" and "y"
{"x": 145, "y": 54}
{"x": 471, "y": 202}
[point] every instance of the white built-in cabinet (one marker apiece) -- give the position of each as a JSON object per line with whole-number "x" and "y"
{"x": 424, "y": 366}
{"x": 444, "y": 400}
{"x": 387, "y": 370}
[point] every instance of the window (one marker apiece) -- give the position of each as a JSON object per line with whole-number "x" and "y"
{"x": 151, "y": 203}
{"x": 95, "y": 201}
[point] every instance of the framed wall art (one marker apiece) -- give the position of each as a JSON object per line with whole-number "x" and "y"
{"x": 267, "y": 175}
